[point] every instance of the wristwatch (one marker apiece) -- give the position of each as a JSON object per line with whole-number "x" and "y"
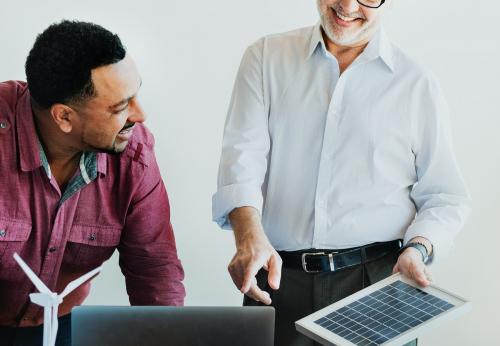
{"x": 420, "y": 247}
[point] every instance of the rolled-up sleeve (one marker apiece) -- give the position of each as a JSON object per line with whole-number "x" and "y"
{"x": 148, "y": 254}
{"x": 246, "y": 142}
{"x": 440, "y": 194}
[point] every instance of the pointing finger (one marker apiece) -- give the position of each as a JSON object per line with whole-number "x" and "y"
{"x": 249, "y": 275}
{"x": 259, "y": 295}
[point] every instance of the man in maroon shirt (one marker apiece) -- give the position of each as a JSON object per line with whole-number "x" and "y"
{"x": 79, "y": 179}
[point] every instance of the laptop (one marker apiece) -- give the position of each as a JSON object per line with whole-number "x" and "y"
{"x": 165, "y": 325}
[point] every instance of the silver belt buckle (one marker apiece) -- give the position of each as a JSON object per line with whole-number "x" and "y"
{"x": 304, "y": 263}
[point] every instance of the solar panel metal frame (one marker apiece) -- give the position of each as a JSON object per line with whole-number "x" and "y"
{"x": 308, "y": 327}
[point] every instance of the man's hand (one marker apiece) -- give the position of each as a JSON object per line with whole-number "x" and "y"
{"x": 253, "y": 252}
{"x": 410, "y": 264}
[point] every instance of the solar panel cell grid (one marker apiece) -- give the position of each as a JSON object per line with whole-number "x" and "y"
{"x": 383, "y": 314}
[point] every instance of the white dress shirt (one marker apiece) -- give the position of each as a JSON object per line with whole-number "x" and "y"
{"x": 335, "y": 161}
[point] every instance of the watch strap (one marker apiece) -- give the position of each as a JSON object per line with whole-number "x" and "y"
{"x": 420, "y": 247}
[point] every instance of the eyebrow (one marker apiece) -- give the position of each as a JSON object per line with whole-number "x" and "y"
{"x": 125, "y": 101}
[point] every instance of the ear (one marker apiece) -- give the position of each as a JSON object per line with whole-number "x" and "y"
{"x": 63, "y": 116}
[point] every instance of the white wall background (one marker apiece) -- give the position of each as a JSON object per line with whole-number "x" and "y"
{"x": 188, "y": 53}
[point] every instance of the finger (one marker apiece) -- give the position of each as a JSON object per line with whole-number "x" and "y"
{"x": 249, "y": 275}
{"x": 259, "y": 295}
{"x": 419, "y": 276}
{"x": 428, "y": 274}
{"x": 395, "y": 269}
{"x": 274, "y": 276}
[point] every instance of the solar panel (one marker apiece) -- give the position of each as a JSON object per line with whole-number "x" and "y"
{"x": 391, "y": 312}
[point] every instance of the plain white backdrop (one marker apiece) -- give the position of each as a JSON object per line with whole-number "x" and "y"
{"x": 188, "y": 52}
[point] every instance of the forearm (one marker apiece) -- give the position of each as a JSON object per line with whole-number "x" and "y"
{"x": 439, "y": 225}
{"x": 148, "y": 252}
{"x": 153, "y": 279}
{"x": 246, "y": 224}
{"x": 425, "y": 242}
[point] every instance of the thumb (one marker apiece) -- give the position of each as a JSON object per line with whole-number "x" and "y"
{"x": 274, "y": 276}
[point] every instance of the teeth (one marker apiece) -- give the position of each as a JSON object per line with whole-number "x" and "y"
{"x": 346, "y": 19}
{"x": 126, "y": 130}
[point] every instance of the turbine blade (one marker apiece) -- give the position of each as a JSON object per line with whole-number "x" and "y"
{"x": 31, "y": 275}
{"x": 55, "y": 326}
{"x": 75, "y": 283}
{"x": 47, "y": 325}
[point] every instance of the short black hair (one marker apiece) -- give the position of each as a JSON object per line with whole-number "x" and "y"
{"x": 58, "y": 67}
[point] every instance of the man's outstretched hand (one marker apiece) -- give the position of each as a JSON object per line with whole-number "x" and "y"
{"x": 411, "y": 264}
{"x": 253, "y": 252}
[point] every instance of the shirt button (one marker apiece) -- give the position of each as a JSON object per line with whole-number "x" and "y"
{"x": 53, "y": 249}
{"x": 3, "y": 125}
{"x": 92, "y": 237}
{"x": 3, "y": 233}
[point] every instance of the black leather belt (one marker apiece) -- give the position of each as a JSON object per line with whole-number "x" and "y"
{"x": 315, "y": 261}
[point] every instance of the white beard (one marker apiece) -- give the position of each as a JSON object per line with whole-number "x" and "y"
{"x": 345, "y": 37}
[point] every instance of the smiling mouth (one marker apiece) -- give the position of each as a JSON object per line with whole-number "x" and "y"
{"x": 126, "y": 129}
{"x": 344, "y": 18}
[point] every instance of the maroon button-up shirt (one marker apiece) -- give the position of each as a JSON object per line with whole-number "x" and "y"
{"x": 113, "y": 202}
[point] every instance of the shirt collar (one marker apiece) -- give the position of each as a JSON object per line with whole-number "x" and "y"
{"x": 316, "y": 39}
{"x": 31, "y": 152}
{"x": 379, "y": 46}
{"x": 102, "y": 163}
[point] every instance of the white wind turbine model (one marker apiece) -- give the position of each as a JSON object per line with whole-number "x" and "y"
{"x": 50, "y": 300}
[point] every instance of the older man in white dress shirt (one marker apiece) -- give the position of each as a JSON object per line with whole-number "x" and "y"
{"x": 336, "y": 152}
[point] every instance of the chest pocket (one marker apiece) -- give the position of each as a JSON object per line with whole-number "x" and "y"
{"x": 13, "y": 237}
{"x": 89, "y": 246}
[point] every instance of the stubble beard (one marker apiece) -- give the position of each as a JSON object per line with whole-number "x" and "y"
{"x": 341, "y": 37}
{"x": 112, "y": 150}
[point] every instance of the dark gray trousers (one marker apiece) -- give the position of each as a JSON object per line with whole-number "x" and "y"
{"x": 33, "y": 336}
{"x": 301, "y": 294}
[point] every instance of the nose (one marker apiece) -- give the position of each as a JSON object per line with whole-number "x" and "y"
{"x": 137, "y": 114}
{"x": 349, "y": 6}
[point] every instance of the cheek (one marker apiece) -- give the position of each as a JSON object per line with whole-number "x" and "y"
{"x": 371, "y": 16}
{"x": 102, "y": 132}
{"x": 112, "y": 126}
{"x": 323, "y": 6}
{"x": 115, "y": 128}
